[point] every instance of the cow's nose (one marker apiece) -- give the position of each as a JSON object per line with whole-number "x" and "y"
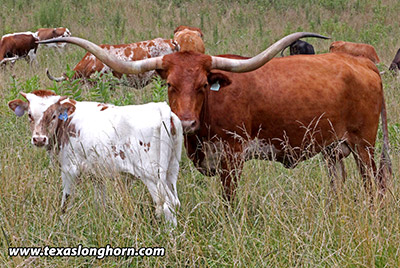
{"x": 39, "y": 140}
{"x": 190, "y": 126}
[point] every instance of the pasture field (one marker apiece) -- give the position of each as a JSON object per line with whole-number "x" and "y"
{"x": 280, "y": 217}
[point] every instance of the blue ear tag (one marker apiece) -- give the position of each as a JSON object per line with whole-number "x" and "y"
{"x": 215, "y": 86}
{"x": 19, "y": 111}
{"x": 63, "y": 116}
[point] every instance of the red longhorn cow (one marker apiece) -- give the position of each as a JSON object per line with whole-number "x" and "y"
{"x": 189, "y": 38}
{"x": 355, "y": 49}
{"x": 236, "y": 109}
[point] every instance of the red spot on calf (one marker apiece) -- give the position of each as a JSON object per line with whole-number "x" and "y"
{"x": 43, "y": 93}
{"x": 173, "y": 129}
{"x": 103, "y": 106}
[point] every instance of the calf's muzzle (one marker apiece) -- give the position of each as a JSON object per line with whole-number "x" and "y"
{"x": 39, "y": 141}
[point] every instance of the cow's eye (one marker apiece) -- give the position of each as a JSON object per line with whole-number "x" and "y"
{"x": 205, "y": 85}
{"x": 168, "y": 85}
{"x": 30, "y": 116}
{"x": 54, "y": 117}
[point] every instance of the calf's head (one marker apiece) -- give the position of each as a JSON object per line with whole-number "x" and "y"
{"x": 46, "y": 111}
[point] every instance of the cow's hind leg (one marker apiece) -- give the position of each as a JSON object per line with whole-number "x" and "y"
{"x": 334, "y": 156}
{"x": 161, "y": 196}
{"x": 172, "y": 177}
{"x": 364, "y": 156}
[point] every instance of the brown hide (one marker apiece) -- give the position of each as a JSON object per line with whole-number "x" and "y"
{"x": 17, "y": 45}
{"x": 189, "y": 39}
{"x": 355, "y": 49}
{"x": 299, "y": 111}
{"x": 48, "y": 33}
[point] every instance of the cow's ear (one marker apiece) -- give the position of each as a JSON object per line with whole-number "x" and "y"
{"x": 162, "y": 73}
{"x": 18, "y": 106}
{"x": 200, "y": 33}
{"x": 67, "y": 106}
{"x": 217, "y": 80}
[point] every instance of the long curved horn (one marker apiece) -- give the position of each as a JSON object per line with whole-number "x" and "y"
{"x": 57, "y": 79}
{"x": 240, "y": 66}
{"x": 125, "y": 67}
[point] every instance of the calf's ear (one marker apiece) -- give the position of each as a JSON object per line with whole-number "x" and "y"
{"x": 67, "y": 106}
{"x": 18, "y": 106}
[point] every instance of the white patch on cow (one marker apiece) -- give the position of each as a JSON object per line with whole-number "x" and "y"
{"x": 91, "y": 57}
{"x": 13, "y": 34}
{"x": 67, "y": 33}
{"x": 38, "y": 105}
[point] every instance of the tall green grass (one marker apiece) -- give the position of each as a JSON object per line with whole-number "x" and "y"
{"x": 280, "y": 217}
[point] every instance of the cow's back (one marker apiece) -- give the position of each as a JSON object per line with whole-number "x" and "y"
{"x": 18, "y": 44}
{"x": 331, "y": 89}
{"x": 355, "y": 49}
{"x": 125, "y": 136}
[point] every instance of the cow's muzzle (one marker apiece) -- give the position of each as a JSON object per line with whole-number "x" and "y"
{"x": 190, "y": 126}
{"x": 40, "y": 141}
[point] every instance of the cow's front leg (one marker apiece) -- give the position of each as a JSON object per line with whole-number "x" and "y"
{"x": 231, "y": 166}
{"x": 68, "y": 176}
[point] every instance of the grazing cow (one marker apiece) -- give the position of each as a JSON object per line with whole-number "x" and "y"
{"x": 18, "y": 45}
{"x": 143, "y": 140}
{"x": 235, "y": 109}
{"x": 89, "y": 64}
{"x": 189, "y": 39}
{"x": 48, "y": 33}
{"x": 355, "y": 49}
{"x": 395, "y": 65}
{"x": 300, "y": 47}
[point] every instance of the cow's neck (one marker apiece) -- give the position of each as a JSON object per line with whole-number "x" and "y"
{"x": 64, "y": 130}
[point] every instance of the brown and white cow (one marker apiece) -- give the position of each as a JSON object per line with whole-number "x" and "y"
{"x": 236, "y": 109}
{"x": 17, "y": 46}
{"x": 189, "y": 39}
{"x": 89, "y": 64}
{"x": 49, "y": 33}
{"x": 142, "y": 140}
{"x": 355, "y": 49}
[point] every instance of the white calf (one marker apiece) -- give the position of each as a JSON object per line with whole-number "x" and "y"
{"x": 143, "y": 140}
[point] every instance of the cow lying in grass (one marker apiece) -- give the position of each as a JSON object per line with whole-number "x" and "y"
{"x": 89, "y": 64}
{"x": 143, "y": 140}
